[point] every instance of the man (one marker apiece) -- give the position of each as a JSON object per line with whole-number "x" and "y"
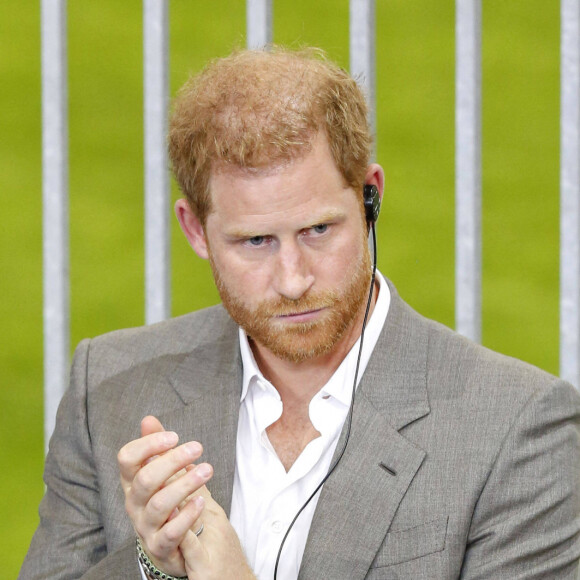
{"x": 459, "y": 463}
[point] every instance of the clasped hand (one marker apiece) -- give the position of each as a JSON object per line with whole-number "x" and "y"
{"x": 167, "y": 501}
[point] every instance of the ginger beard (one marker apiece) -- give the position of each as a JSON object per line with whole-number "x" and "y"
{"x": 298, "y": 342}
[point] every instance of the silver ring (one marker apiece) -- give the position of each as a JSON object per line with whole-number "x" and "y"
{"x": 198, "y": 533}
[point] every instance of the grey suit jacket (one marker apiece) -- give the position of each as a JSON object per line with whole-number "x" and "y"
{"x": 462, "y": 463}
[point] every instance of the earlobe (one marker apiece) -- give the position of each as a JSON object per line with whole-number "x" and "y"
{"x": 192, "y": 228}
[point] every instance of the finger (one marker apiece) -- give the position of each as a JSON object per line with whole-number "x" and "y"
{"x": 162, "y": 504}
{"x": 150, "y": 424}
{"x": 213, "y": 509}
{"x": 193, "y": 552}
{"x": 173, "y": 532}
{"x": 150, "y": 478}
{"x": 203, "y": 491}
{"x": 132, "y": 455}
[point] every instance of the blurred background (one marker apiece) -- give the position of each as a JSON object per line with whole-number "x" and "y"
{"x": 415, "y": 144}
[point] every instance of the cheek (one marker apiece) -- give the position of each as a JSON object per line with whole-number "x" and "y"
{"x": 248, "y": 282}
{"x": 339, "y": 264}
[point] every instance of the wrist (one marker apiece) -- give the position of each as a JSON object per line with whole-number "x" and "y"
{"x": 150, "y": 570}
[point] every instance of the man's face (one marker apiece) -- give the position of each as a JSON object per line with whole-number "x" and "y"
{"x": 288, "y": 251}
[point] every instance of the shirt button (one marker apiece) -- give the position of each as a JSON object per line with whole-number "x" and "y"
{"x": 277, "y": 526}
{"x": 325, "y": 397}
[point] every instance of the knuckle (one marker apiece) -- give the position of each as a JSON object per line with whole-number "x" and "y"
{"x": 145, "y": 480}
{"x": 156, "y": 504}
{"x": 172, "y": 536}
{"x": 123, "y": 457}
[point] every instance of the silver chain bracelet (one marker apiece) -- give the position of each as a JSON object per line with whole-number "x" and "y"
{"x": 150, "y": 569}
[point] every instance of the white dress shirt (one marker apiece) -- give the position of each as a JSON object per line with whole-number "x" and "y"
{"x": 266, "y": 497}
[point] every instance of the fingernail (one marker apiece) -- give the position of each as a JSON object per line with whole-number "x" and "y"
{"x": 199, "y": 501}
{"x": 170, "y": 438}
{"x": 193, "y": 448}
{"x": 204, "y": 470}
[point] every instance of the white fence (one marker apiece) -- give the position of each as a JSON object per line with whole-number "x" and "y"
{"x": 362, "y": 63}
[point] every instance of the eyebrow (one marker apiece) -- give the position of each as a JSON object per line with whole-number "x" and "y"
{"x": 329, "y": 216}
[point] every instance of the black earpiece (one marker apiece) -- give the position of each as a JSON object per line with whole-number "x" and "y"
{"x": 372, "y": 203}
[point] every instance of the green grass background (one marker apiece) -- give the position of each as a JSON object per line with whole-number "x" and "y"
{"x": 415, "y": 88}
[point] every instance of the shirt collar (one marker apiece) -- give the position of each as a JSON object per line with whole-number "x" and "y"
{"x": 337, "y": 386}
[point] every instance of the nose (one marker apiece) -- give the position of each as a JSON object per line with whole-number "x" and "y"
{"x": 293, "y": 276}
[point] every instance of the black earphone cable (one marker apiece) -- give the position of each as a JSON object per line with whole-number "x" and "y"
{"x": 350, "y": 411}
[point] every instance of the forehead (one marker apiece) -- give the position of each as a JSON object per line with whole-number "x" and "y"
{"x": 307, "y": 185}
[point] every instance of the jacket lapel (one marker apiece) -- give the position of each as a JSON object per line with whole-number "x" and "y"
{"x": 209, "y": 380}
{"x": 358, "y": 502}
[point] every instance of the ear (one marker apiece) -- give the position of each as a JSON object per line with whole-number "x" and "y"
{"x": 192, "y": 228}
{"x": 376, "y": 176}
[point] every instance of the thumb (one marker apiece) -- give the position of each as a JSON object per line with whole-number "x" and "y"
{"x": 194, "y": 554}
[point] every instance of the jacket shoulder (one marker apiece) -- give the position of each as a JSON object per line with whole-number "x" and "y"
{"x": 457, "y": 366}
{"x": 123, "y": 349}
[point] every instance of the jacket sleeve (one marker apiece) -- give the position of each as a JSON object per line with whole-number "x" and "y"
{"x": 70, "y": 538}
{"x": 526, "y": 524}
{"x": 117, "y": 566}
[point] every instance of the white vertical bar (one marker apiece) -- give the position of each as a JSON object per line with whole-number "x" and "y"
{"x": 570, "y": 193}
{"x": 258, "y": 23}
{"x": 362, "y": 50}
{"x": 157, "y": 210}
{"x": 468, "y": 168}
{"x": 55, "y": 208}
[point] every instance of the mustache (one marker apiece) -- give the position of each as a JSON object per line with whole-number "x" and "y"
{"x": 283, "y": 306}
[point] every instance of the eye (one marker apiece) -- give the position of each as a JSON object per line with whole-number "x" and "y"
{"x": 320, "y": 228}
{"x": 256, "y": 241}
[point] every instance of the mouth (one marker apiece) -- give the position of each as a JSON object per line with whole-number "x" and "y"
{"x": 297, "y": 317}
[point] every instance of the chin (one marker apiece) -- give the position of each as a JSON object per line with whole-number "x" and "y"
{"x": 303, "y": 342}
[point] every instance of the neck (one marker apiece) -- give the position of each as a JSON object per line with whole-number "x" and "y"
{"x": 298, "y": 382}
